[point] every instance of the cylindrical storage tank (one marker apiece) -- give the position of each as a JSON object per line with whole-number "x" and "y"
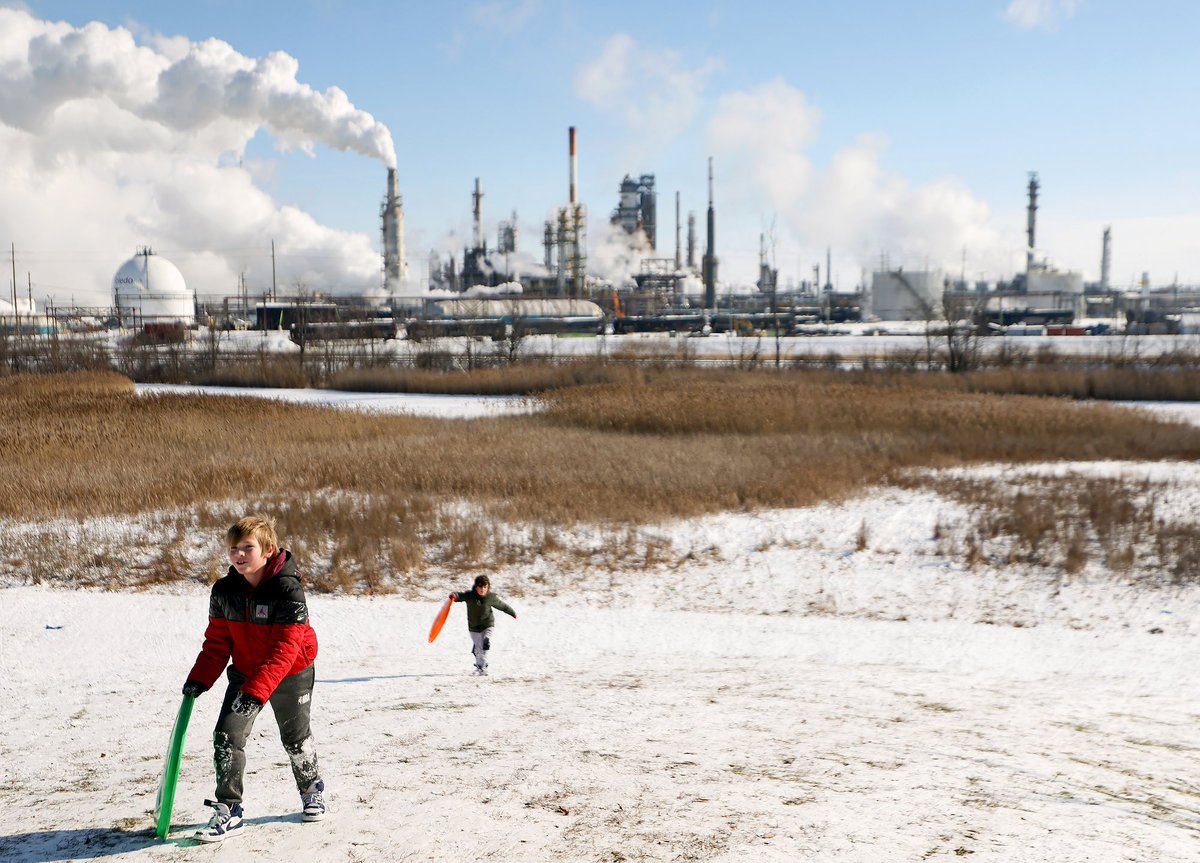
{"x": 149, "y": 290}
{"x": 1054, "y": 282}
{"x": 897, "y": 295}
{"x": 1056, "y": 289}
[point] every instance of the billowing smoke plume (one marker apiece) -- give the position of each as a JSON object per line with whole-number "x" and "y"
{"x": 111, "y": 143}
{"x": 615, "y": 255}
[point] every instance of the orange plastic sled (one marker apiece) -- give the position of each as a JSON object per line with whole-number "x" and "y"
{"x": 440, "y": 620}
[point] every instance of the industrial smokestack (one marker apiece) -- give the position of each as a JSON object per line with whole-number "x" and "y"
{"x": 395, "y": 269}
{"x": 691, "y": 242}
{"x": 572, "y": 233}
{"x": 1106, "y": 258}
{"x": 710, "y": 255}
{"x": 1031, "y": 223}
{"x": 574, "y": 165}
{"x": 678, "y": 250}
{"x": 477, "y": 208}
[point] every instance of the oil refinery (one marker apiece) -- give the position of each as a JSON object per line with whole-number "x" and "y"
{"x": 487, "y": 290}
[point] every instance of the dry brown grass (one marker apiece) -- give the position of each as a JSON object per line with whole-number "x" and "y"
{"x": 674, "y": 446}
{"x": 1120, "y": 383}
{"x": 891, "y": 420}
{"x": 1060, "y": 521}
{"x": 263, "y": 371}
{"x": 376, "y": 495}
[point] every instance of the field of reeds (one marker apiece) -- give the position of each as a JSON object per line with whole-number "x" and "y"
{"x": 382, "y": 498}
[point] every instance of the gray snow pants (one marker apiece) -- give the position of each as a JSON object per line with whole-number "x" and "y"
{"x": 292, "y": 704}
{"x": 481, "y": 643}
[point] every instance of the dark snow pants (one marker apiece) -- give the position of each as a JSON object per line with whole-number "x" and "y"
{"x": 292, "y": 703}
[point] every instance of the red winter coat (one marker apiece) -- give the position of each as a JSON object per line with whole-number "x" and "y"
{"x": 264, "y": 630}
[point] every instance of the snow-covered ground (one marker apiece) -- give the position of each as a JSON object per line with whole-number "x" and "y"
{"x": 417, "y": 404}
{"x": 769, "y": 692}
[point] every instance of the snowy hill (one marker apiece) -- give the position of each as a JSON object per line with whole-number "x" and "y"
{"x": 775, "y": 689}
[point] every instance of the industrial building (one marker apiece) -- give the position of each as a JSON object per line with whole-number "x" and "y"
{"x": 508, "y": 317}
{"x": 637, "y": 207}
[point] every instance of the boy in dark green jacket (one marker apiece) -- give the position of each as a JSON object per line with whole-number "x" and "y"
{"x": 480, "y": 619}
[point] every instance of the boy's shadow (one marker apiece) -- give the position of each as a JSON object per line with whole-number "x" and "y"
{"x": 95, "y": 843}
{"x": 45, "y": 846}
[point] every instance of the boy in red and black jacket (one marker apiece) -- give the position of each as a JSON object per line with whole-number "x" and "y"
{"x": 258, "y": 617}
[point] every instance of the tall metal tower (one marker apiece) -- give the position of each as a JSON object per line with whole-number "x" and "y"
{"x": 691, "y": 242}
{"x": 477, "y": 213}
{"x": 1031, "y": 222}
{"x": 678, "y": 250}
{"x": 507, "y": 234}
{"x": 572, "y": 234}
{"x": 710, "y": 253}
{"x": 476, "y": 269}
{"x": 637, "y": 208}
{"x": 1106, "y": 258}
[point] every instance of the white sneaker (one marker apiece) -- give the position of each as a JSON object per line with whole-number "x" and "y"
{"x": 226, "y": 822}
{"x": 314, "y": 802}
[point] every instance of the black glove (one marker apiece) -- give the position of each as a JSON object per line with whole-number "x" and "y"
{"x": 245, "y": 705}
{"x": 192, "y": 688}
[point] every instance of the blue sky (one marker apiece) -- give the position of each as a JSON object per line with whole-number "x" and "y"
{"x": 882, "y": 130}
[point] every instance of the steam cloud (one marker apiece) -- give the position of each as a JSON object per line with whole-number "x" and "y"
{"x": 761, "y": 138}
{"x": 853, "y": 204}
{"x": 110, "y": 143}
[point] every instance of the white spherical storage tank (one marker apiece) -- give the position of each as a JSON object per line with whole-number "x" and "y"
{"x": 149, "y": 289}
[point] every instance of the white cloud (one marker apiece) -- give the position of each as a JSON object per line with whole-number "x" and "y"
{"x": 1163, "y": 244}
{"x": 110, "y": 143}
{"x": 651, "y": 92}
{"x": 852, "y": 204}
{"x": 1040, "y": 14}
{"x": 774, "y": 124}
{"x": 504, "y": 16}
